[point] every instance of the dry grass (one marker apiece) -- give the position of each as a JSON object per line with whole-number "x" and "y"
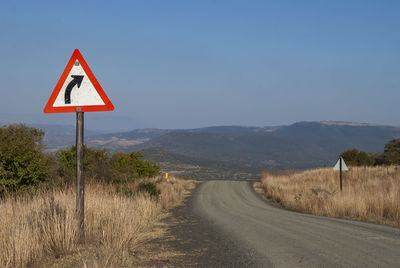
{"x": 41, "y": 230}
{"x": 369, "y": 193}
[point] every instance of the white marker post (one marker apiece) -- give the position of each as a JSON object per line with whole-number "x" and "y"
{"x": 341, "y": 165}
{"x": 78, "y": 91}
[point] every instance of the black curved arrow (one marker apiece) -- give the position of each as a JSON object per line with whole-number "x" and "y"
{"x": 76, "y": 80}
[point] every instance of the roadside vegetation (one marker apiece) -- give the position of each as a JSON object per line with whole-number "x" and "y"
{"x": 40, "y": 229}
{"x": 390, "y": 156}
{"x": 369, "y": 193}
{"x": 371, "y": 188}
{"x": 125, "y": 196}
{"x": 24, "y": 165}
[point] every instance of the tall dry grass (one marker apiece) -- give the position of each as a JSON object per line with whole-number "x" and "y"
{"x": 35, "y": 230}
{"x": 369, "y": 193}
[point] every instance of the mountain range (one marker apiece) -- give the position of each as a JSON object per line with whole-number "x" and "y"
{"x": 237, "y": 151}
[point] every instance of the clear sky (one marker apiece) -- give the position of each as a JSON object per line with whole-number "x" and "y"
{"x": 185, "y": 64}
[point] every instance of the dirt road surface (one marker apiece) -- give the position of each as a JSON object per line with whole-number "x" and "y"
{"x": 274, "y": 237}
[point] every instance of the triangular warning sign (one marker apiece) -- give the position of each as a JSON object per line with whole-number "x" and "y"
{"x": 337, "y": 166}
{"x": 77, "y": 90}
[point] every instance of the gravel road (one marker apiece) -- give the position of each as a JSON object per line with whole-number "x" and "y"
{"x": 275, "y": 237}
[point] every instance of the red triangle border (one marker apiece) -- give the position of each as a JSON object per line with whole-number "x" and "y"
{"x": 108, "y": 106}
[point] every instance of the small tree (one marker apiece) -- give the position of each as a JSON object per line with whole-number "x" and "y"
{"x": 96, "y": 164}
{"x": 391, "y": 154}
{"x": 358, "y": 158}
{"x": 22, "y": 162}
{"x": 131, "y": 165}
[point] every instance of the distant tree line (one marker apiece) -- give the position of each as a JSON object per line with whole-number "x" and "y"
{"x": 390, "y": 156}
{"x": 24, "y": 164}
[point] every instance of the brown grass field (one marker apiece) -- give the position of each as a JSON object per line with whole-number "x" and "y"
{"x": 369, "y": 193}
{"x": 40, "y": 230}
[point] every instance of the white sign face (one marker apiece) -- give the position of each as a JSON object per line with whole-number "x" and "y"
{"x": 77, "y": 90}
{"x": 337, "y": 166}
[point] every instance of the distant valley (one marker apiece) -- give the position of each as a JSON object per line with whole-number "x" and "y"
{"x": 228, "y": 151}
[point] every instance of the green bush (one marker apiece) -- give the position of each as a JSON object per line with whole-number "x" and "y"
{"x": 358, "y": 158}
{"x": 100, "y": 165}
{"x": 390, "y": 156}
{"x": 124, "y": 166}
{"x": 96, "y": 164}
{"x": 127, "y": 166}
{"x": 133, "y": 164}
{"x": 22, "y": 162}
{"x": 391, "y": 153}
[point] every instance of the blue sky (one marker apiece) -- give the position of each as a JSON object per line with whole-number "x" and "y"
{"x": 185, "y": 64}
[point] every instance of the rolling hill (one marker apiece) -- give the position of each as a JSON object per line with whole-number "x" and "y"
{"x": 299, "y": 146}
{"x": 244, "y": 150}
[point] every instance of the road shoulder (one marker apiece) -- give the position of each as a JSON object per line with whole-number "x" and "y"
{"x": 192, "y": 241}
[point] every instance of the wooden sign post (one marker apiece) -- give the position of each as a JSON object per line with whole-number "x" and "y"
{"x": 341, "y": 175}
{"x": 80, "y": 183}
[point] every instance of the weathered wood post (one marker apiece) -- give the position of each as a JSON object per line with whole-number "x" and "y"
{"x": 80, "y": 184}
{"x": 341, "y": 170}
